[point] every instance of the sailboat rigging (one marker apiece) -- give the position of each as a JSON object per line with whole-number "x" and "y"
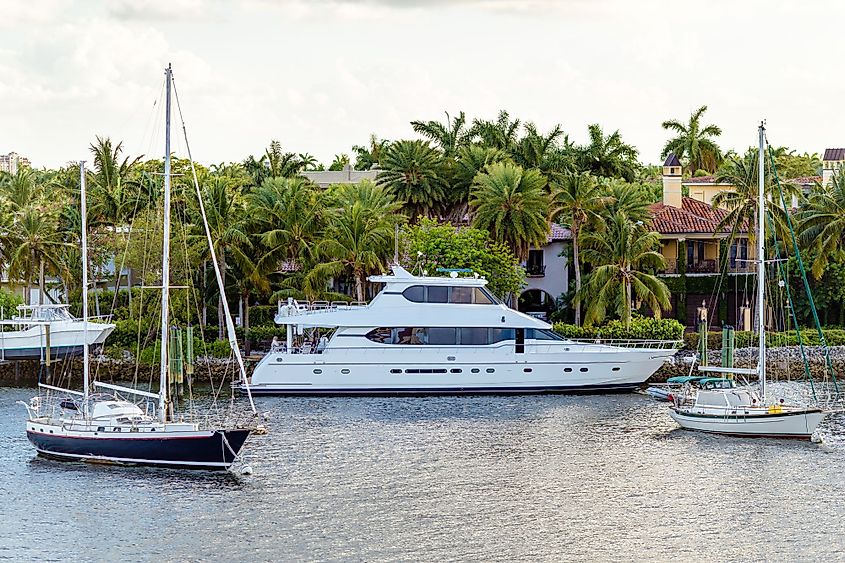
{"x": 742, "y": 411}
{"x": 105, "y": 428}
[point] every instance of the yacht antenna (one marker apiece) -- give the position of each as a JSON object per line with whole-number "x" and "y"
{"x": 165, "y": 258}
{"x": 761, "y": 265}
{"x": 85, "y": 352}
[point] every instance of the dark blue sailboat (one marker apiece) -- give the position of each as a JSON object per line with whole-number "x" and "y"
{"x": 104, "y": 427}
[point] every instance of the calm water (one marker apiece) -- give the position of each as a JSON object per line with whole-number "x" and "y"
{"x": 481, "y": 478}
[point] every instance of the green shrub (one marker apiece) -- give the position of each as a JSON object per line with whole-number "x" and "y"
{"x": 641, "y": 328}
{"x": 220, "y": 349}
{"x": 748, "y": 339}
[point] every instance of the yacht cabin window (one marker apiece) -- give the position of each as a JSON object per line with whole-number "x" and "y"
{"x": 451, "y": 336}
{"x": 449, "y": 294}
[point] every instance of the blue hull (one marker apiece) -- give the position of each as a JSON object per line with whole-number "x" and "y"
{"x": 185, "y": 452}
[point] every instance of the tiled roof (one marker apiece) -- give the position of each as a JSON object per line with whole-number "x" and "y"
{"x": 805, "y": 180}
{"x": 711, "y": 179}
{"x": 289, "y": 267}
{"x": 559, "y": 233}
{"x": 693, "y": 217}
{"x": 672, "y": 160}
{"x": 834, "y": 154}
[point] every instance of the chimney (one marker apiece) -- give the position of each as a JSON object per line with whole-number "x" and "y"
{"x": 672, "y": 181}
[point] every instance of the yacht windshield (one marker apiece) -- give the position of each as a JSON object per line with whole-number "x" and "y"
{"x": 450, "y": 294}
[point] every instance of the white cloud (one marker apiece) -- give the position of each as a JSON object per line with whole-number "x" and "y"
{"x": 321, "y": 76}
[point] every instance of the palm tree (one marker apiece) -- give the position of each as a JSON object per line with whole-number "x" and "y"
{"x": 632, "y": 199}
{"x": 450, "y": 137}
{"x": 623, "y": 256}
{"x": 412, "y": 172}
{"x": 694, "y": 143}
{"x": 224, "y": 212}
{"x": 366, "y": 158}
{"x": 285, "y": 214}
{"x": 577, "y": 201}
{"x": 822, "y": 223}
{"x": 608, "y": 156}
{"x": 113, "y": 189}
{"x": 741, "y": 201}
{"x": 499, "y": 134}
{"x": 37, "y": 242}
{"x": 340, "y": 162}
{"x": 359, "y": 236}
{"x": 512, "y": 204}
{"x": 309, "y": 161}
{"x": 471, "y": 160}
{"x": 20, "y": 189}
{"x": 280, "y": 164}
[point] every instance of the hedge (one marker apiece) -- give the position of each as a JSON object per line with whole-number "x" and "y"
{"x": 645, "y": 328}
{"x": 746, "y": 339}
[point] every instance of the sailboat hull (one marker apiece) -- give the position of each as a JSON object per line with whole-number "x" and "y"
{"x": 199, "y": 449}
{"x": 797, "y": 424}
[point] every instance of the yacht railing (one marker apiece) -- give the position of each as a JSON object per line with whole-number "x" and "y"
{"x": 552, "y": 347}
{"x": 296, "y": 307}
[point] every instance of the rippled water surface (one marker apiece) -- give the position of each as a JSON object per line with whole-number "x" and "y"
{"x": 482, "y": 478}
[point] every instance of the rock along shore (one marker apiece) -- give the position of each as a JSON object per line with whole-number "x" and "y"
{"x": 781, "y": 362}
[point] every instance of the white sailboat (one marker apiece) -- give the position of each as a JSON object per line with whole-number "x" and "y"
{"x": 744, "y": 411}
{"x": 105, "y": 428}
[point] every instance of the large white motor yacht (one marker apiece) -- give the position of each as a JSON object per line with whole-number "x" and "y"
{"x": 442, "y": 335}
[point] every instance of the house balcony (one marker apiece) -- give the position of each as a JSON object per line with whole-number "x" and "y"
{"x": 702, "y": 267}
{"x": 535, "y": 270}
{"x": 671, "y": 267}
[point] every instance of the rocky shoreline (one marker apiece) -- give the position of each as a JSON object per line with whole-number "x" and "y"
{"x": 109, "y": 370}
{"x": 782, "y": 362}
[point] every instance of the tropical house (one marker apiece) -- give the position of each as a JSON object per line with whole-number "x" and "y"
{"x": 705, "y": 270}
{"x": 546, "y": 273}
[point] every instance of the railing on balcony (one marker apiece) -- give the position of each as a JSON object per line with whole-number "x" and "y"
{"x": 702, "y": 267}
{"x": 535, "y": 270}
{"x": 742, "y": 266}
{"x": 671, "y": 267}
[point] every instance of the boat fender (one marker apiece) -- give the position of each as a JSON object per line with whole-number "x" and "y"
{"x": 775, "y": 409}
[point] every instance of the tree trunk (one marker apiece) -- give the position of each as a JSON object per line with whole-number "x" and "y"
{"x": 359, "y": 285}
{"x": 245, "y": 322}
{"x": 41, "y": 281}
{"x": 629, "y": 305}
{"x": 221, "y": 315}
{"x": 576, "y": 302}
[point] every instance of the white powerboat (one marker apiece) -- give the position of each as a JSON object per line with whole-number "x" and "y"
{"x": 443, "y": 335}
{"x": 37, "y": 327}
{"x": 748, "y": 412}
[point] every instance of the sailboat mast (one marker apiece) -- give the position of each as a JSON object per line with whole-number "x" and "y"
{"x": 85, "y": 351}
{"x": 165, "y": 259}
{"x": 761, "y": 264}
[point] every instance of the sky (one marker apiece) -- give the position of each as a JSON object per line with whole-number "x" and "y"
{"x": 322, "y": 75}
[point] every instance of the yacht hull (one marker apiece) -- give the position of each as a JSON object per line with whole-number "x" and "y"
{"x": 799, "y": 424}
{"x": 613, "y": 370}
{"x": 200, "y": 449}
{"x": 66, "y": 340}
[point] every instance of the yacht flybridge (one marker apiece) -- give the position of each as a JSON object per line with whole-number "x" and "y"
{"x": 442, "y": 335}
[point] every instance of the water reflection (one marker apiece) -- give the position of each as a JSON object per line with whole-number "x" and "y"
{"x": 549, "y": 477}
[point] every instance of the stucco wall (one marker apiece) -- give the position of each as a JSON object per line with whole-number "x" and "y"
{"x": 556, "y": 279}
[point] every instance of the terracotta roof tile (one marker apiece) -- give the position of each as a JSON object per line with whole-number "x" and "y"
{"x": 559, "y": 233}
{"x": 805, "y": 180}
{"x": 693, "y": 217}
